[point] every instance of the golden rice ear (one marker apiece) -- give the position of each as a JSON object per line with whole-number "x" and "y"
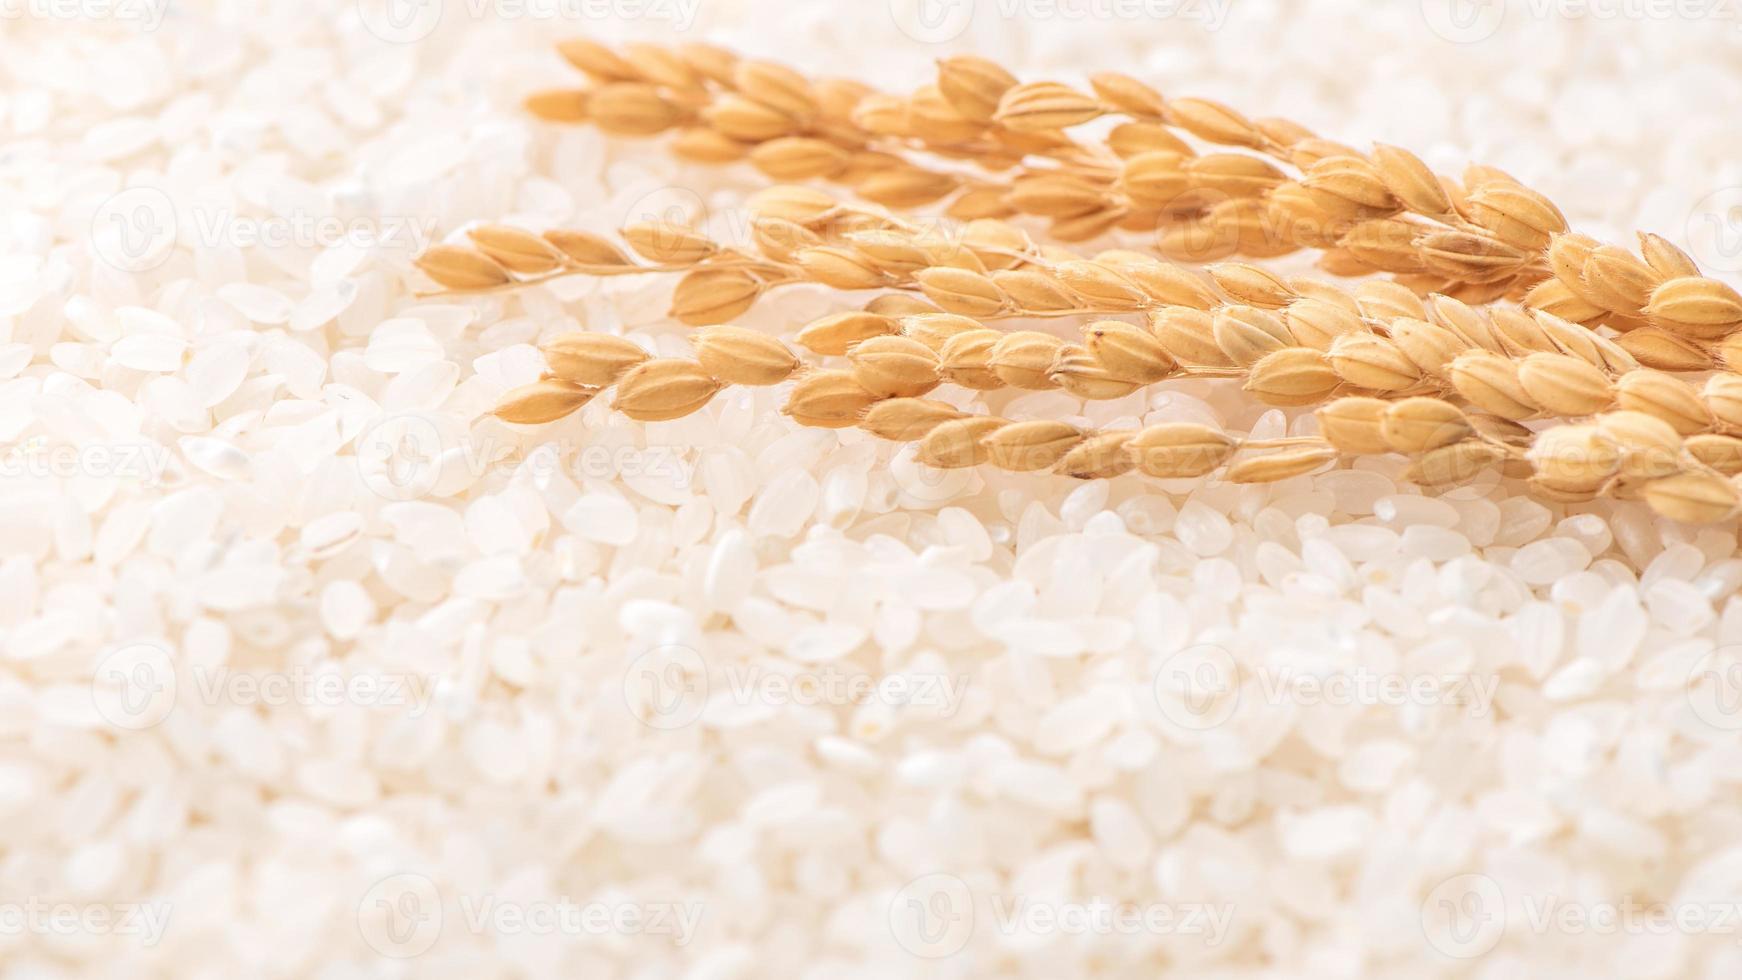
{"x": 1699, "y": 309}
{"x": 1457, "y": 463}
{"x": 1024, "y": 359}
{"x": 1375, "y": 363}
{"x": 664, "y": 389}
{"x": 1044, "y": 106}
{"x": 1463, "y": 243}
{"x": 597, "y": 60}
{"x": 1129, "y": 351}
{"x": 593, "y": 359}
{"x": 586, "y": 248}
{"x": 1660, "y": 349}
{"x": 1247, "y": 334}
{"x": 743, "y": 357}
{"x": 543, "y": 401}
{"x": 829, "y": 399}
{"x": 704, "y": 144}
{"x": 1355, "y": 425}
{"x": 1178, "y": 450}
{"x": 837, "y": 333}
{"x": 966, "y": 360}
{"x": 668, "y": 242}
{"x": 1565, "y": 386}
{"x": 799, "y": 158}
{"x": 1694, "y": 498}
{"x": 1080, "y": 373}
{"x": 1408, "y": 179}
{"x": 1034, "y": 445}
{"x": 907, "y": 419}
{"x": 895, "y": 367}
{"x": 632, "y": 109}
{"x": 1284, "y": 465}
{"x": 1099, "y": 457}
{"x": 1215, "y": 122}
{"x": 961, "y": 291}
{"x": 1292, "y": 376}
{"x": 1720, "y": 452}
{"x": 714, "y": 295}
{"x": 516, "y": 250}
{"x": 460, "y": 268}
{"x": 558, "y": 105}
{"x": 777, "y": 87}
{"x": 974, "y": 86}
{"x": 959, "y": 443}
{"x": 1128, "y": 95}
{"x": 1418, "y": 425}
{"x": 1253, "y": 286}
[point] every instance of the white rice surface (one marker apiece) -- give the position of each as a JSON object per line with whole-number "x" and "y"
{"x": 308, "y": 669}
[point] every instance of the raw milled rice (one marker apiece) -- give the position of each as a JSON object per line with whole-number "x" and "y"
{"x": 310, "y": 668}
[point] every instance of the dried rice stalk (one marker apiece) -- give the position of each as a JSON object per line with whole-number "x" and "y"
{"x": 1622, "y": 454}
{"x": 1291, "y": 343}
{"x": 988, "y": 269}
{"x": 1625, "y": 453}
{"x": 1478, "y": 239}
{"x": 948, "y": 438}
{"x": 901, "y": 152}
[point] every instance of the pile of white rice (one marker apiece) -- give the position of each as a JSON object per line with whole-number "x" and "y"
{"x": 307, "y": 668}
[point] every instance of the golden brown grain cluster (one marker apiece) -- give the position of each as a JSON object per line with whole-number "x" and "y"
{"x": 1470, "y": 307}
